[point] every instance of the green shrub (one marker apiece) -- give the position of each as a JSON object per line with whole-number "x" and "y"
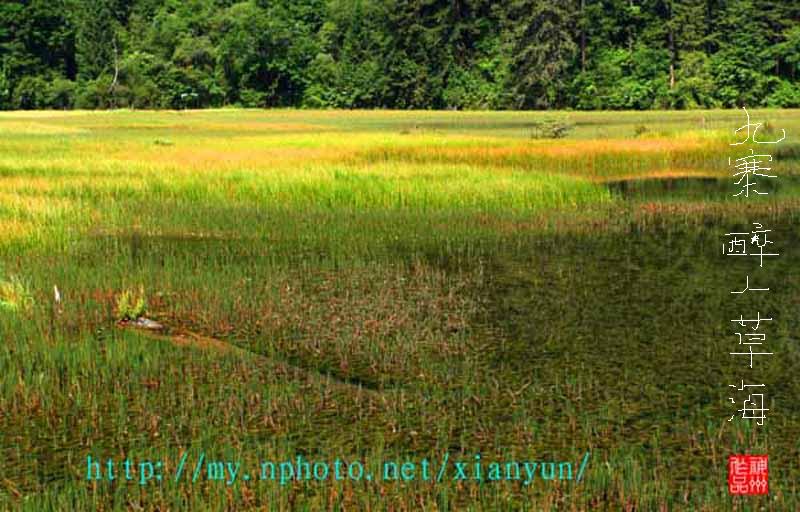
{"x": 95, "y": 94}
{"x": 30, "y": 93}
{"x": 61, "y": 94}
{"x": 551, "y": 129}
{"x": 785, "y": 95}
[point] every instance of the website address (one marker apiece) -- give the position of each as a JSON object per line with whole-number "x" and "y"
{"x": 204, "y": 469}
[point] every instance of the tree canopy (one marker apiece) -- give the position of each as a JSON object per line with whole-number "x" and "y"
{"x": 437, "y": 54}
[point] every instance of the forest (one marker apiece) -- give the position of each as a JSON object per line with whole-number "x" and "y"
{"x": 399, "y": 54}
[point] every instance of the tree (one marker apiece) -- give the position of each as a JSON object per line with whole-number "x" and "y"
{"x": 543, "y": 49}
{"x": 96, "y": 38}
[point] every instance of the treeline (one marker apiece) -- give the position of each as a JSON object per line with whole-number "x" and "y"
{"x": 440, "y": 54}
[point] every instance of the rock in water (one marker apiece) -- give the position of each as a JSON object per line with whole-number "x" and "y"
{"x": 146, "y": 323}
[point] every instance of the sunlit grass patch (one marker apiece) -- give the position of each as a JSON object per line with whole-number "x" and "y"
{"x": 15, "y": 295}
{"x": 36, "y": 128}
{"x": 13, "y": 230}
{"x": 658, "y": 174}
{"x": 23, "y": 205}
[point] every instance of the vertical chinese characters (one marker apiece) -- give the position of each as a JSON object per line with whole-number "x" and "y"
{"x": 752, "y": 326}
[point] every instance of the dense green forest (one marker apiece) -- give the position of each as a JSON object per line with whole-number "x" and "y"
{"x": 441, "y": 54}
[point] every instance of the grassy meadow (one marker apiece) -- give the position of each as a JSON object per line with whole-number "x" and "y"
{"x": 382, "y": 286}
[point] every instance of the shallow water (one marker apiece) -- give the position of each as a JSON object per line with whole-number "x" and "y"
{"x": 618, "y": 342}
{"x": 699, "y": 188}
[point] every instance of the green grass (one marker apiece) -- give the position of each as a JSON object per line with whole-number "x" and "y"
{"x": 392, "y": 285}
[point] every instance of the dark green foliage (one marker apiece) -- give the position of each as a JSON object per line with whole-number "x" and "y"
{"x": 442, "y": 54}
{"x": 96, "y": 47}
{"x": 30, "y": 93}
{"x": 542, "y": 51}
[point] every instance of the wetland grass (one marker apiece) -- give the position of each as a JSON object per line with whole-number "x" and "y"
{"x": 396, "y": 285}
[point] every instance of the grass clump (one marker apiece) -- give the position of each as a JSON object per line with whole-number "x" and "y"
{"x": 15, "y": 295}
{"x": 130, "y": 306}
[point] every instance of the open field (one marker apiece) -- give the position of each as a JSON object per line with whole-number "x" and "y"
{"x": 387, "y": 286}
